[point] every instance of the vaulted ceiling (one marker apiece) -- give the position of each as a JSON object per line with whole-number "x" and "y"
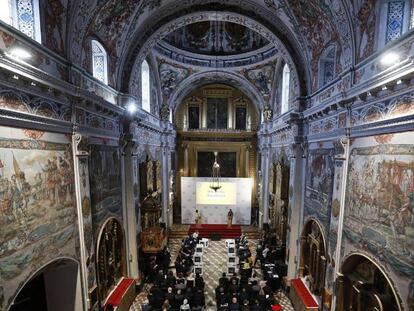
{"x": 129, "y": 29}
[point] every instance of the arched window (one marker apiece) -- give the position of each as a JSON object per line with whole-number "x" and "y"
{"x": 99, "y": 62}
{"x": 285, "y": 88}
{"x": 327, "y": 65}
{"x": 145, "y": 86}
{"x": 394, "y": 20}
{"x": 22, "y": 15}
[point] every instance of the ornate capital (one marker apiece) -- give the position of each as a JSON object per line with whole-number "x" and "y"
{"x": 81, "y": 144}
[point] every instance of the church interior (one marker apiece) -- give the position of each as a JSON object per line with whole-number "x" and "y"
{"x": 206, "y": 155}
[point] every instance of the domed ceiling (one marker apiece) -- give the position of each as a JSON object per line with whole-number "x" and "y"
{"x": 216, "y": 38}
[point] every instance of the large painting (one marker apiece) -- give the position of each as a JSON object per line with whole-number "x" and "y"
{"x": 37, "y": 203}
{"x": 106, "y": 184}
{"x": 319, "y": 185}
{"x": 380, "y": 200}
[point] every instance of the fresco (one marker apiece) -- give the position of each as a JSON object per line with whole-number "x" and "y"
{"x": 380, "y": 201}
{"x": 319, "y": 183}
{"x": 262, "y": 77}
{"x": 54, "y": 13}
{"x": 170, "y": 76}
{"x": 37, "y": 203}
{"x": 105, "y": 184}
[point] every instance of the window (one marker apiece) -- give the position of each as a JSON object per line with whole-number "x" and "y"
{"x": 394, "y": 20}
{"x": 22, "y": 15}
{"x": 327, "y": 65}
{"x": 285, "y": 88}
{"x": 217, "y": 111}
{"x": 99, "y": 62}
{"x": 145, "y": 86}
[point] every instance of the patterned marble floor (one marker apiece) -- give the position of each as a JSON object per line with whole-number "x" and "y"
{"x": 215, "y": 263}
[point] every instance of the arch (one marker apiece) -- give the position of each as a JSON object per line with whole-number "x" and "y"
{"x": 99, "y": 62}
{"x": 203, "y": 78}
{"x": 55, "y": 262}
{"x": 105, "y": 269}
{"x": 349, "y": 265}
{"x": 313, "y": 256}
{"x": 147, "y": 42}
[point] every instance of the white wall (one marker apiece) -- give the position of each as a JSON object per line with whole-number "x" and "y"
{"x": 214, "y": 213}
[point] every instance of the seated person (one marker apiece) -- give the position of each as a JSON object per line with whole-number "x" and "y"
{"x": 224, "y": 281}
{"x": 199, "y": 281}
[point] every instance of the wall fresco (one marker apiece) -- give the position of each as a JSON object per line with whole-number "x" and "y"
{"x": 37, "y": 205}
{"x": 380, "y": 202}
{"x": 54, "y": 16}
{"x": 319, "y": 183}
{"x": 106, "y": 186}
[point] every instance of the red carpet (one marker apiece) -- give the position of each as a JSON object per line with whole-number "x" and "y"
{"x": 304, "y": 294}
{"x": 121, "y": 289}
{"x": 224, "y": 231}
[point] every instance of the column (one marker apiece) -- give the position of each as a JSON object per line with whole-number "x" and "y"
{"x": 165, "y": 183}
{"x": 131, "y": 187}
{"x": 265, "y": 185}
{"x": 295, "y": 210}
{"x": 341, "y": 164}
{"x": 204, "y": 114}
{"x": 83, "y": 204}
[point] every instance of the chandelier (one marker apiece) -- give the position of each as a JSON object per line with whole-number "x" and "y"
{"x": 215, "y": 174}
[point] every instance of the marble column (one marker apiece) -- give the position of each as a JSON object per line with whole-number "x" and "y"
{"x": 295, "y": 209}
{"x": 131, "y": 187}
{"x": 165, "y": 184}
{"x": 265, "y": 154}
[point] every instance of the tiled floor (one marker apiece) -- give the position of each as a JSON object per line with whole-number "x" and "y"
{"x": 215, "y": 263}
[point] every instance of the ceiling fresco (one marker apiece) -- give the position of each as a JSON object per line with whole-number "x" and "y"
{"x": 216, "y": 38}
{"x": 305, "y": 27}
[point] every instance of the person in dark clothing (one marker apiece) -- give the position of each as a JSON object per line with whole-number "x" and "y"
{"x": 178, "y": 300}
{"x": 234, "y": 305}
{"x": 171, "y": 279}
{"x": 198, "y": 301}
{"x": 170, "y": 296}
{"x": 199, "y": 281}
{"x": 224, "y": 281}
{"x": 255, "y": 306}
{"x": 222, "y": 298}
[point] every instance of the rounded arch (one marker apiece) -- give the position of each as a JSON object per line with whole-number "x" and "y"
{"x": 110, "y": 265}
{"x": 204, "y": 78}
{"x": 148, "y": 39}
{"x": 348, "y": 266}
{"x": 55, "y": 262}
{"x": 313, "y": 256}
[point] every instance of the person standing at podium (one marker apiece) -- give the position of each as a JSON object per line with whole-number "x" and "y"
{"x": 198, "y": 218}
{"x": 230, "y": 218}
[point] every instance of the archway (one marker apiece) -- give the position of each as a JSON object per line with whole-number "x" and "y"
{"x": 363, "y": 285}
{"x": 111, "y": 257}
{"x": 313, "y": 257}
{"x": 56, "y": 286}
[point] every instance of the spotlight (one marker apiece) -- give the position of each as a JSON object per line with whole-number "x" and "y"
{"x": 19, "y": 53}
{"x": 390, "y": 58}
{"x": 131, "y": 108}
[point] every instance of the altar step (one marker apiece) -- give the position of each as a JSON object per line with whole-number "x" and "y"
{"x": 181, "y": 231}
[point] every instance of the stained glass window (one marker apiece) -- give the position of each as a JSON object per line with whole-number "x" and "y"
{"x": 285, "y": 88}
{"x": 145, "y": 86}
{"x": 23, "y": 15}
{"x": 395, "y": 19}
{"x": 99, "y": 62}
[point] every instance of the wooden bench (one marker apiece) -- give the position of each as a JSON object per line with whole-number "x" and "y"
{"x": 122, "y": 296}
